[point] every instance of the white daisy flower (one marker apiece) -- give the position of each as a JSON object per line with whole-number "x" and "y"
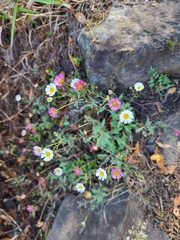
{"x": 126, "y": 116}
{"x": 47, "y": 154}
{"x": 80, "y": 187}
{"x": 139, "y": 86}
{"x": 58, "y": 171}
{"x": 50, "y": 89}
{"x": 101, "y": 174}
{"x": 18, "y": 98}
{"x": 73, "y": 82}
{"x": 23, "y": 132}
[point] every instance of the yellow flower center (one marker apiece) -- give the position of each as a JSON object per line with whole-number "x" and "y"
{"x": 80, "y": 86}
{"x": 80, "y": 186}
{"x": 60, "y": 80}
{"x": 58, "y": 170}
{"x": 54, "y": 111}
{"x": 139, "y": 87}
{"x": 114, "y": 104}
{"x": 126, "y": 116}
{"x": 48, "y": 154}
{"x": 38, "y": 150}
{"x": 51, "y": 89}
{"x": 101, "y": 173}
{"x": 116, "y": 172}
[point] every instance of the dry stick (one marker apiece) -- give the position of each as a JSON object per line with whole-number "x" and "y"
{"x": 1, "y": 210}
{"x": 10, "y": 118}
{"x": 13, "y": 69}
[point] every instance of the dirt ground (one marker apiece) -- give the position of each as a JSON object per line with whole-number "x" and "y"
{"x": 45, "y": 43}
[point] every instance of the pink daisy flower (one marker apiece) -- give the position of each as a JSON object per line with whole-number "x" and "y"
{"x": 77, "y": 171}
{"x": 59, "y": 79}
{"x": 21, "y": 140}
{"x": 37, "y": 151}
{"x": 114, "y": 104}
{"x": 53, "y": 112}
{"x": 94, "y": 148}
{"x": 7, "y": 152}
{"x": 29, "y": 125}
{"x": 79, "y": 85}
{"x": 176, "y": 132}
{"x": 30, "y": 208}
{"x": 42, "y": 180}
{"x": 116, "y": 173}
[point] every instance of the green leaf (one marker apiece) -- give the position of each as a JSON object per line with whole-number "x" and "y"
{"x": 49, "y": 1}
{"x": 25, "y": 10}
{"x": 13, "y": 23}
{"x": 4, "y": 15}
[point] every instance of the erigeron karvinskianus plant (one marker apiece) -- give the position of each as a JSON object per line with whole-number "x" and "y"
{"x": 105, "y": 135}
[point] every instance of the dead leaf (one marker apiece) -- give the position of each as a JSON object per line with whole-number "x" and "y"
{"x": 136, "y": 148}
{"x": 80, "y": 18}
{"x": 159, "y": 158}
{"x": 172, "y": 90}
{"x": 160, "y": 163}
{"x": 162, "y": 145}
{"x": 158, "y": 108}
{"x": 96, "y": 40}
{"x": 133, "y": 160}
{"x": 176, "y": 203}
{"x": 168, "y": 169}
{"x": 39, "y": 224}
{"x": 21, "y": 158}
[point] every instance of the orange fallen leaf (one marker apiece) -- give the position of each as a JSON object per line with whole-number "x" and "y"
{"x": 176, "y": 203}
{"x": 80, "y": 18}
{"x": 162, "y": 145}
{"x": 133, "y": 160}
{"x": 160, "y": 163}
{"x": 136, "y": 148}
{"x": 158, "y": 108}
{"x": 21, "y": 158}
{"x": 159, "y": 158}
{"x": 172, "y": 90}
{"x": 39, "y": 224}
{"x": 169, "y": 169}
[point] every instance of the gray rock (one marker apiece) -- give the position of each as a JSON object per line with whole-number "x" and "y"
{"x": 111, "y": 220}
{"x": 133, "y": 38}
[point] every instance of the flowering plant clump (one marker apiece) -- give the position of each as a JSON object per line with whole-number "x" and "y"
{"x": 85, "y": 132}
